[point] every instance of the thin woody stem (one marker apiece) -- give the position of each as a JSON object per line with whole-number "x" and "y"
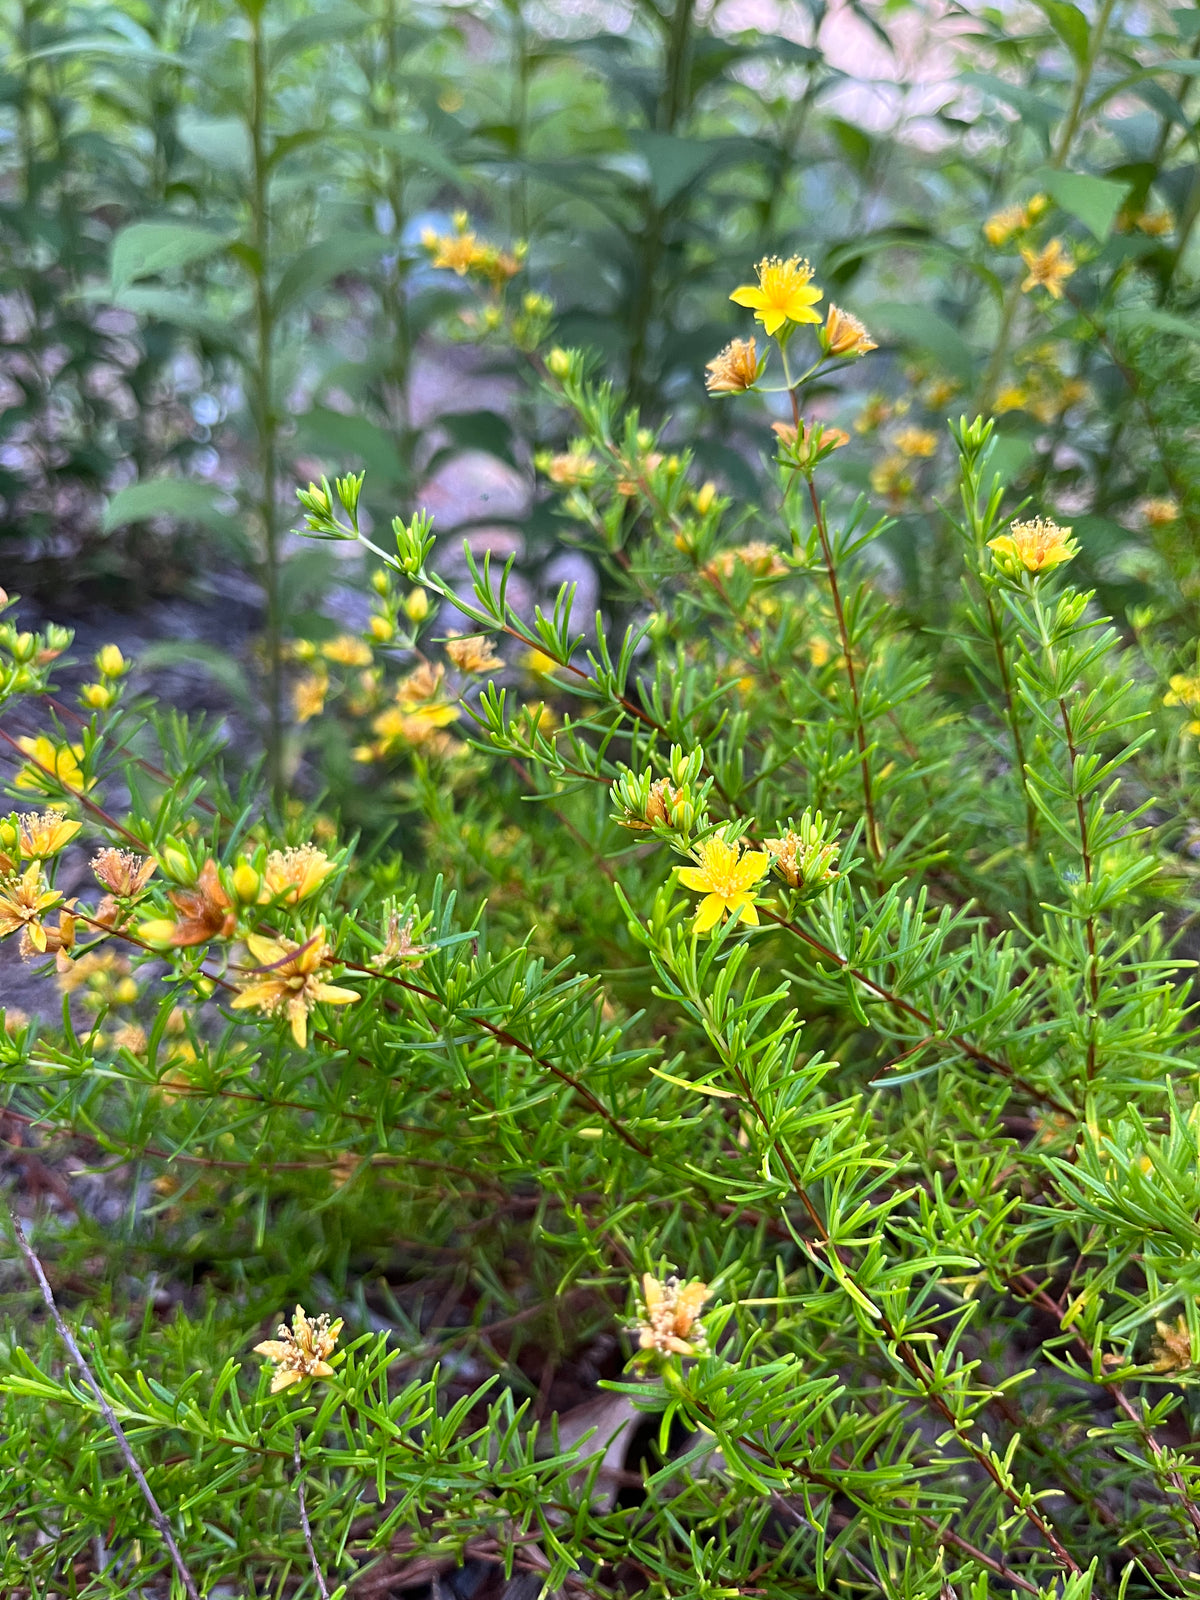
{"x": 106, "y": 1410}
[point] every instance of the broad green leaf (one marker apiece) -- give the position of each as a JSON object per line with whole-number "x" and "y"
{"x": 1071, "y": 26}
{"x": 222, "y": 142}
{"x": 321, "y": 262}
{"x": 326, "y": 26}
{"x": 1038, "y": 113}
{"x": 145, "y": 249}
{"x": 1148, "y": 319}
{"x": 181, "y": 498}
{"x": 184, "y": 310}
{"x": 416, "y": 148}
{"x": 925, "y": 330}
{"x": 480, "y": 430}
{"x": 673, "y": 163}
{"x": 1092, "y": 201}
{"x": 340, "y": 441}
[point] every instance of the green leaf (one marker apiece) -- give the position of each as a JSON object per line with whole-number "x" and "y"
{"x": 339, "y": 441}
{"x": 222, "y": 142}
{"x": 323, "y": 261}
{"x": 926, "y": 330}
{"x": 181, "y": 498}
{"x": 1038, "y": 113}
{"x": 145, "y": 249}
{"x": 183, "y": 310}
{"x": 326, "y": 26}
{"x": 1147, "y": 319}
{"x": 412, "y": 147}
{"x": 1071, "y": 26}
{"x": 1092, "y": 201}
{"x": 673, "y": 163}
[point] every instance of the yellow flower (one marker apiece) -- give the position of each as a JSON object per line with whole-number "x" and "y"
{"x": 893, "y": 477}
{"x": 474, "y": 654}
{"x": 1033, "y": 546}
{"x": 725, "y": 881}
{"x": 48, "y": 759}
{"x": 783, "y": 293}
{"x": 296, "y": 873}
{"x": 456, "y": 252}
{"x": 1002, "y": 225}
{"x": 1185, "y": 691}
{"x": 23, "y": 900}
{"x": 288, "y": 979}
{"x": 1013, "y": 397}
{"x": 1159, "y": 512}
{"x": 1155, "y": 223}
{"x": 670, "y": 1319}
{"x": 45, "y": 835}
{"x": 1048, "y": 269}
{"x": 734, "y": 369}
{"x": 347, "y": 651}
{"x": 301, "y": 1351}
{"x": 844, "y": 335}
{"x": 308, "y": 696}
{"x": 921, "y": 442}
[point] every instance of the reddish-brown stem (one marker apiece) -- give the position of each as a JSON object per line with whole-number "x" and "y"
{"x": 1085, "y": 854}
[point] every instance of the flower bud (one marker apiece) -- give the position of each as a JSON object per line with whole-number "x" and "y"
{"x": 416, "y": 605}
{"x": 247, "y": 884}
{"x": 110, "y": 663}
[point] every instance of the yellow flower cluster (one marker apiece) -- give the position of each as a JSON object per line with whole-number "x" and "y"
{"x": 462, "y": 252}
{"x": 1012, "y": 220}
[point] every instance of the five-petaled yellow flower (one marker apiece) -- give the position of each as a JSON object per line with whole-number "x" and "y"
{"x": 1033, "y": 547}
{"x": 23, "y": 901}
{"x": 783, "y": 293}
{"x": 301, "y": 1351}
{"x": 288, "y": 978}
{"x": 1048, "y": 269}
{"x": 48, "y": 759}
{"x": 45, "y": 835}
{"x": 726, "y": 879}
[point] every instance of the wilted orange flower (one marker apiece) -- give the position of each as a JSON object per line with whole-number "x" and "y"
{"x": 398, "y": 946}
{"x": 44, "y": 835}
{"x": 1033, "y": 546}
{"x": 893, "y": 478}
{"x": 670, "y": 1323}
{"x": 302, "y": 1350}
{"x": 726, "y": 879}
{"x": 297, "y": 872}
{"x": 123, "y": 872}
{"x": 205, "y": 912}
{"x": 783, "y": 293}
{"x": 474, "y": 654}
{"x": 845, "y": 335}
{"x": 288, "y": 979}
{"x": 734, "y": 369}
{"x": 1159, "y": 511}
{"x": 1048, "y": 269}
{"x": 1172, "y": 1349}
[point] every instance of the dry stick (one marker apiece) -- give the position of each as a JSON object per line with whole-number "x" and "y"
{"x": 304, "y": 1522}
{"x": 106, "y": 1411}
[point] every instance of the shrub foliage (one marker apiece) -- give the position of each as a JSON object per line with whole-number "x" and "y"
{"x": 776, "y": 1004}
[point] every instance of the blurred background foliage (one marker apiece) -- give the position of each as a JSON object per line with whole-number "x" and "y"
{"x": 213, "y": 279}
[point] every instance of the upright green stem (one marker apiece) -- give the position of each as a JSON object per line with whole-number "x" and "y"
{"x": 266, "y": 422}
{"x": 1058, "y": 159}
